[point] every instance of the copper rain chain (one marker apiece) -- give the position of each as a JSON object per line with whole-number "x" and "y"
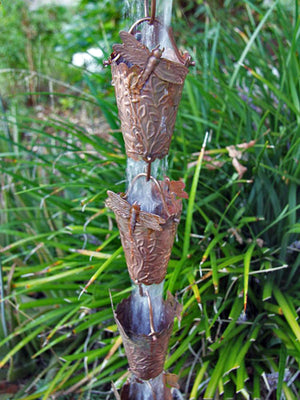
{"x": 148, "y": 89}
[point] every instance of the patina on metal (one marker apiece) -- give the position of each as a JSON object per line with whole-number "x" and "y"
{"x": 146, "y": 352}
{"x": 148, "y": 90}
{"x": 147, "y": 238}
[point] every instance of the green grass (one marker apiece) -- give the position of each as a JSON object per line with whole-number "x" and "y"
{"x": 235, "y": 262}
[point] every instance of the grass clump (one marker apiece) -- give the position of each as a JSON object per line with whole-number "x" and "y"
{"x": 235, "y": 263}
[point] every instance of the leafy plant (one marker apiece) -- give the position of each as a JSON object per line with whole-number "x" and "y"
{"x": 27, "y": 37}
{"x": 235, "y": 262}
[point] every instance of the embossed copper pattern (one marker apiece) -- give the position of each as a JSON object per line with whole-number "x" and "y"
{"x": 146, "y": 353}
{"x": 148, "y": 90}
{"x": 148, "y": 238}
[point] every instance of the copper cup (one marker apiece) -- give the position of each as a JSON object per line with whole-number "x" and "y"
{"x": 131, "y": 390}
{"x": 147, "y": 238}
{"x": 146, "y": 353}
{"x": 148, "y": 90}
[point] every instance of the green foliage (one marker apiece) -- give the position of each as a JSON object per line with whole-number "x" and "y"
{"x": 28, "y": 37}
{"x": 94, "y": 23}
{"x": 236, "y": 260}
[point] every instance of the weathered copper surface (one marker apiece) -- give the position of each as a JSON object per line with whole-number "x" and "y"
{"x": 147, "y": 238}
{"x": 146, "y": 353}
{"x": 148, "y": 91}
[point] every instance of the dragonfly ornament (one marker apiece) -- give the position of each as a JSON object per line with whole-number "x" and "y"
{"x": 134, "y": 52}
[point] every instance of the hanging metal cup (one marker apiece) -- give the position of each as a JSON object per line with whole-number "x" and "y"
{"x": 148, "y": 90}
{"x": 147, "y": 238}
{"x": 132, "y": 390}
{"x": 146, "y": 352}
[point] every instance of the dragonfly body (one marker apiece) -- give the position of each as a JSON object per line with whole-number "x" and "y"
{"x": 134, "y": 214}
{"x": 150, "y": 66}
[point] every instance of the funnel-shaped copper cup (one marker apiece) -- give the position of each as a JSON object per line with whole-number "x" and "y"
{"x": 133, "y": 387}
{"x": 147, "y": 238}
{"x": 146, "y": 352}
{"x": 148, "y": 91}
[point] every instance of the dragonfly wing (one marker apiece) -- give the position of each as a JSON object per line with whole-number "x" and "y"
{"x": 132, "y": 50}
{"x": 130, "y": 40}
{"x": 171, "y": 72}
{"x": 151, "y": 221}
{"x": 116, "y": 203}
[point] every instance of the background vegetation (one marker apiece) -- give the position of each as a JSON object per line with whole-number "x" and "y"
{"x": 235, "y": 263}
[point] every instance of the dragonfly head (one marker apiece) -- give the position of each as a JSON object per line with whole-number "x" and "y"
{"x": 157, "y": 52}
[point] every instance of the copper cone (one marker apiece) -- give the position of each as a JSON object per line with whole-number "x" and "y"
{"x": 146, "y": 353}
{"x": 147, "y": 238}
{"x": 148, "y": 91}
{"x": 131, "y": 391}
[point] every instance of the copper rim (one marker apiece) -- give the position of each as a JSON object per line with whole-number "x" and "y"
{"x": 153, "y": 20}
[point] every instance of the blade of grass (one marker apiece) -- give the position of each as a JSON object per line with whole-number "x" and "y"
{"x": 102, "y": 268}
{"x": 215, "y": 275}
{"x": 198, "y": 380}
{"x": 281, "y": 371}
{"x": 247, "y": 262}
{"x": 241, "y": 378}
{"x": 287, "y": 312}
{"x": 249, "y": 45}
{"x": 217, "y": 373}
{"x": 21, "y": 344}
{"x": 189, "y": 217}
